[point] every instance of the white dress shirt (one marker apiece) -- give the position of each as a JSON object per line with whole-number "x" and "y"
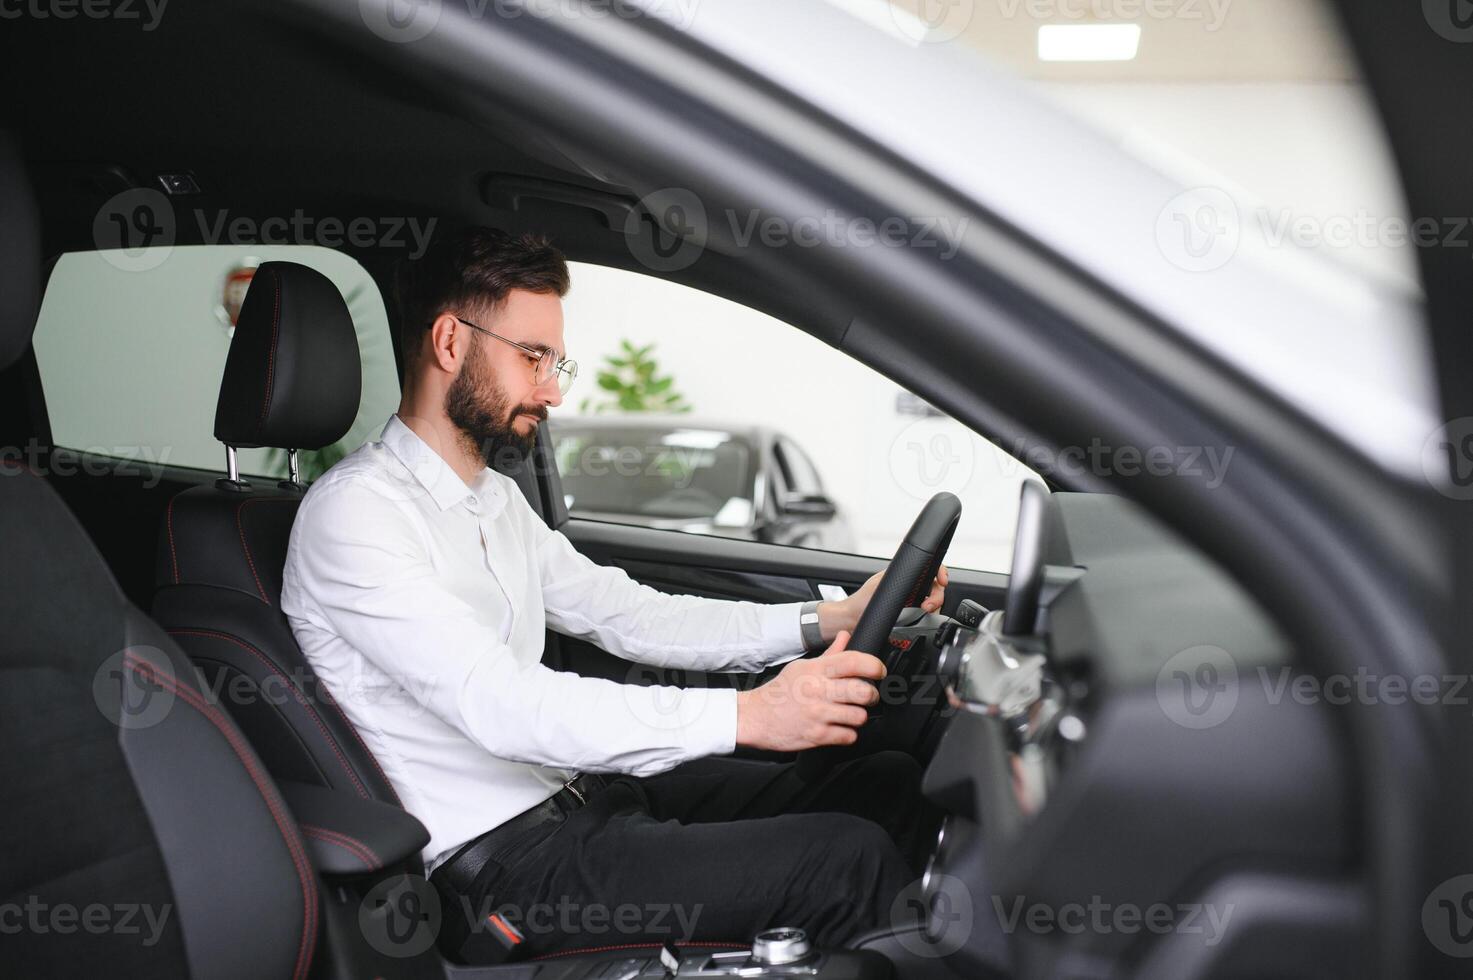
{"x": 421, "y": 603}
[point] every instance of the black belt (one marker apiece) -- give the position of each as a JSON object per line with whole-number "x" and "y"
{"x": 458, "y": 873}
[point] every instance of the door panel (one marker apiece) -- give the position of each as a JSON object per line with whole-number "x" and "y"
{"x": 716, "y": 583}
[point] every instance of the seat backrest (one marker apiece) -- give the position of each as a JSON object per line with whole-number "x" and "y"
{"x": 292, "y": 380}
{"x": 140, "y": 835}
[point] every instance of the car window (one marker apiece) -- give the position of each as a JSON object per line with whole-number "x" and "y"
{"x": 656, "y": 471}
{"x": 684, "y": 418}
{"x": 131, "y": 352}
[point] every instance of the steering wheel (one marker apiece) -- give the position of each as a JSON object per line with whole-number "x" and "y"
{"x": 906, "y": 582}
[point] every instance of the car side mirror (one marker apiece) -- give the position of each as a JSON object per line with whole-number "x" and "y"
{"x": 810, "y": 506}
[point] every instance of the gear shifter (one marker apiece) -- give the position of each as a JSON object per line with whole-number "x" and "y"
{"x": 779, "y": 947}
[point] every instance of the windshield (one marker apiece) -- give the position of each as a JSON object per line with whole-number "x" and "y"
{"x": 667, "y": 472}
{"x": 1217, "y": 163}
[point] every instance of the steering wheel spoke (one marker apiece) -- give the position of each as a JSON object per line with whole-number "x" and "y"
{"x": 906, "y": 582}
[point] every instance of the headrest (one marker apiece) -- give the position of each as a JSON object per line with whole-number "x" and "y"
{"x": 293, "y": 378}
{"x": 20, "y": 255}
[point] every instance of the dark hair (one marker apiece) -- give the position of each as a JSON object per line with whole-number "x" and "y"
{"x": 470, "y": 273}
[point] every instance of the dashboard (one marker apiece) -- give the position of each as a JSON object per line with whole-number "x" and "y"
{"x": 1117, "y": 744}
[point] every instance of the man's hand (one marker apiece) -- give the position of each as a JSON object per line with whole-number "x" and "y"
{"x": 813, "y": 702}
{"x": 844, "y": 614}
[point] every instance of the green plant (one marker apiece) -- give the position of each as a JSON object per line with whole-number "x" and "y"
{"x": 629, "y": 381}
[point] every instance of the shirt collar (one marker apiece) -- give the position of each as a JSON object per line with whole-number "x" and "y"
{"x": 445, "y": 487}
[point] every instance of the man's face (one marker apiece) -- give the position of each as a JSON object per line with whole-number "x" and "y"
{"x": 495, "y": 400}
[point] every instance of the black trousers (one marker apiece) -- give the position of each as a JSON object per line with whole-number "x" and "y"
{"x": 715, "y": 851}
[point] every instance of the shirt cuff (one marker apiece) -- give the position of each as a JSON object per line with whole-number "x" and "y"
{"x": 781, "y": 633}
{"x": 713, "y": 728}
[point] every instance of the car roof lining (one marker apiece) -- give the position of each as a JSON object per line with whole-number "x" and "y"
{"x": 317, "y": 121}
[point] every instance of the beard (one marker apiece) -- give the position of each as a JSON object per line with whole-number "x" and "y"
{"x": 480, "y": 409}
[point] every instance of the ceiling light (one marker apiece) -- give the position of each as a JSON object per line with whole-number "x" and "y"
{"x": 1088, "y": 42}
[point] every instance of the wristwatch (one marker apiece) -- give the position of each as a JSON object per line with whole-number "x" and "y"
{"x": 808, "y": 621}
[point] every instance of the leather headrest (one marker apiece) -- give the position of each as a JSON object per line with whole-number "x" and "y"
{"x": 20, "y": 255}
{"x": 293, "y": 377}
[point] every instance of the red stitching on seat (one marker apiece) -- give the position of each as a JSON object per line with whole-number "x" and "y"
{"x": 353, "y": 730}
{"x": 352, "y": 845}
{"x": 271, "y": 353}
{"x": 301, "y": 699}
{"x": 169, "y": 524}
{"x": 240, "y": 527}
{"x": 294, "y": 846}
{"x": 611, "y": 949}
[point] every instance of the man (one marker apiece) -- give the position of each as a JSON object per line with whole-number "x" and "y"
{"x": 419, "y": 583}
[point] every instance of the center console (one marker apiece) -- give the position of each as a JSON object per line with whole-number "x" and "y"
{"x": 774, "y": 953}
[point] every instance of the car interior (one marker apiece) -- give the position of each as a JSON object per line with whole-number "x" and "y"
{"x": 1033, "y": 699}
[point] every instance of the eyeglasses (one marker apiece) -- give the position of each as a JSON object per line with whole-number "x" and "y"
{"x": 549, "y": 365}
